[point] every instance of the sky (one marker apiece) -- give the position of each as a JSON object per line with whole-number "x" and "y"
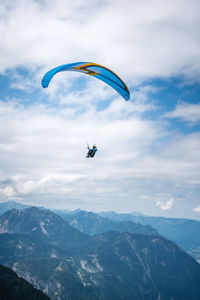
{"x": 148, "y": 157}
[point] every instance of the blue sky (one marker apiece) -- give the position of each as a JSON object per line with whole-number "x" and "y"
{"x": 148, "y": 157}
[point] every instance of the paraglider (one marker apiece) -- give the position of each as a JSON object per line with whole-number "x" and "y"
{"x": 92, "y": 69}
{"x": 91, "y": 151}
{"x": 97, "y": 71}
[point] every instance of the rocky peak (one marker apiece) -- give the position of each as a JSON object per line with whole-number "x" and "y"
{"x": 36, "y": 221}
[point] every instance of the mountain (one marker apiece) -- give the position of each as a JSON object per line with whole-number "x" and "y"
{"x": 37, "y": 222}
{"x": 9, "y": 205}
{"x": 91, "y": 224}
{"x": 184, "y": 232}
{"x": 36, "y": 233}
{"x": 36, "y": 243}
{"x": 106, "y": 266}
{"x": 14, "y": 288}
{"x": 135, "y": 266}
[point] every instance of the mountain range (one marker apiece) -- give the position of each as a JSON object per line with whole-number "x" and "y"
{"x": 68, "y": 264}
{"x": 91, "y": 224}
{"x": 184, "y": 232}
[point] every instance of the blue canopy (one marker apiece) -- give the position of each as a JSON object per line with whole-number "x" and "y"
{"x": 92, "y": 69}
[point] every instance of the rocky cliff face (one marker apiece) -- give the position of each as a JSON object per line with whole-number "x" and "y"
{"x": 66, "y": 264}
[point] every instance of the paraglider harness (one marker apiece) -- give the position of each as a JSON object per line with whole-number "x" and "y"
{"x": 91, "y": 152}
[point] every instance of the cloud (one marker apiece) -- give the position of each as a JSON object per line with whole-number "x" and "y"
{"x": 8, "y": 191}
{"x": 42, "y": 155}
{"x": 42, "y": 150}
{"x": 44, "y": 132}
{"x": 165, "y": 206}
{"x": 136, "y": 39}
{"x": 187, "y": 112}
{"x": 197, "y": 209}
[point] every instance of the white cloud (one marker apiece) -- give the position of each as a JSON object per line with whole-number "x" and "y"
{"x": 135, "y": 39}
{"x": 7, "y": 191}
{"x": 43, "y": 150}
{"x": 187, "y": 112}
{"x": 197, "y": 209}
{"x": 43, "y": 144}
{"x": 42, "y": 156}
{"x": 165, "y": 206}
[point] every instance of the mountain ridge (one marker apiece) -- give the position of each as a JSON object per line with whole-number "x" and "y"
{"x": 91, "y": 224}
{"x": 110, "y": 265}
{"x": 184, "y": 232}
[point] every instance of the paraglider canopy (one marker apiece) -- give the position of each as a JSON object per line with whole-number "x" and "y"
{"x": 92, "y": 69}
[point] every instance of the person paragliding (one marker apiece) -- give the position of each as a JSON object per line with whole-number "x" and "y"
{"x": 97, "y": 71}
{"x": 91, "y": 151}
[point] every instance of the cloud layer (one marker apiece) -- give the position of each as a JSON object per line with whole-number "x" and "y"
{"x": 141, "y": 161}
{"x": 141, "y": 39}
{"x": 43, "y": 157}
